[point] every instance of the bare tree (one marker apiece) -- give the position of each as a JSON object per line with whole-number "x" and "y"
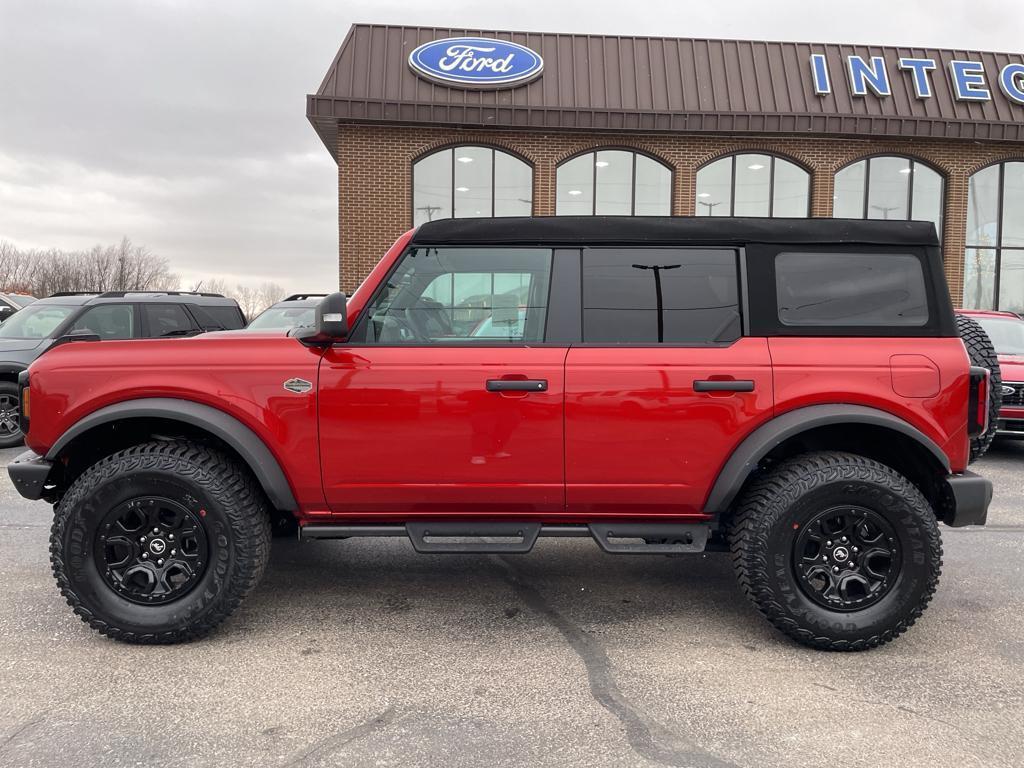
{"x": 252, "y": 300}
{"x": 269, "y": 294}
{"x": 121, "y": 267}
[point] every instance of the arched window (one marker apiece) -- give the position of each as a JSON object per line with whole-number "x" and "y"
{"x": 613, "y": 182}
{"x": 994, "y": 258}
{"x": 468, "y": 182}
{"x": 753, "y": 185}
{"x": 888, "y": 187}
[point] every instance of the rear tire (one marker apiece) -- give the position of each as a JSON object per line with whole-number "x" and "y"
{"x": 10, "y": 402}
{"x": 828, "y": 584}
{"x": 160, "y": 542}
{"x": 982, "y": 353}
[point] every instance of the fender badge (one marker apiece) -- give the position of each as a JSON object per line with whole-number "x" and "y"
{"x": 297, "y": 385}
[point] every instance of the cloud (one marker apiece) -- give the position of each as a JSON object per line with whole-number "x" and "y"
{"x": 182, "y": 123}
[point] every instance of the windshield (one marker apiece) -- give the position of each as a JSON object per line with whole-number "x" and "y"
{"x": 20, "y": 299}
{"x": 36, "y": 321}
{"x": 1007, "y": 334}
{"x": 283, "y": 318}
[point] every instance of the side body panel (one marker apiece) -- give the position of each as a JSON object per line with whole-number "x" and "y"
{"x": 640, "y": 440}
{"x": 883, "y": 373}
{"x": 241, "y": 375}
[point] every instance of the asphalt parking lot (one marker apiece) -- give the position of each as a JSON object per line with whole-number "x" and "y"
{"x": 363, "y": 653}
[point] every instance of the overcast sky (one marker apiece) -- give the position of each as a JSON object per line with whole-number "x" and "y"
{"x": 181, "y": 123}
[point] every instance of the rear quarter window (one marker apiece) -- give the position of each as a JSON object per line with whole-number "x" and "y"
{"x": 850, "y": 289}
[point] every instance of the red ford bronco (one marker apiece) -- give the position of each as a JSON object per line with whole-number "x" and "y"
{"x": 794, "y": 391}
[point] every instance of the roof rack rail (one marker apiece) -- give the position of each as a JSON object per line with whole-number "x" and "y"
{"x": 304, "y": 296}
{"x": 74, "y": 293}
{"x": 122, "y": 294}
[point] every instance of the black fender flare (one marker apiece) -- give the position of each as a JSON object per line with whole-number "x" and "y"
{"x": 762, "y": 440}
{"x": 244, "y": 441}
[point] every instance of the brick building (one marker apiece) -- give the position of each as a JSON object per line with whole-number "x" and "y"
{"x": 657, "y": 126}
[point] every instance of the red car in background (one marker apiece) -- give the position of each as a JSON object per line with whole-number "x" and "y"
{"x": 1006, "y": 330}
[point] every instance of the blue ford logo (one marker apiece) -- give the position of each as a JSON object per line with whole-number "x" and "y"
{"x": 476, "y": 62}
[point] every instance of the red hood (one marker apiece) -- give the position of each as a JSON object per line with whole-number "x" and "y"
{"x": 1011, "y": 367}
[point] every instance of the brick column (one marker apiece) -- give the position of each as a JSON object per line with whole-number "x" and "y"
{"x": 954, "y": 232}
{"x": 544, "y": 187}
{"x": 685, "y": 186}
{"x": 821, "y": 192}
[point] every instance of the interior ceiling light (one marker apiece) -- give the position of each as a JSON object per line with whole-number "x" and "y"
{"x": 462, "y": 189}
{"x": 703, "y": 194}
{"x": 601, "y": 163}
{"x": 904, "y": 170}
{"x": 755, "y": 167}
{"x": 464, "y": 159}
{"x": 575, "y": 191}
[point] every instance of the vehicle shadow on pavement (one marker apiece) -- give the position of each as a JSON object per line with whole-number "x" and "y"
{"x": 383, "y": 580}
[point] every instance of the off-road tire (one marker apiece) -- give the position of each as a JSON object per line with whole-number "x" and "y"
{"x": 981, "y": 352}
{"x": 763, "y": 531}
{"x": 234, "y": 512}
{"x": 11, "y": 439}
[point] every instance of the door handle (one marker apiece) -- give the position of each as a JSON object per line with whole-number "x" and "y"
{"x": 517, "y": 385}
{"x": 723, "y": 385}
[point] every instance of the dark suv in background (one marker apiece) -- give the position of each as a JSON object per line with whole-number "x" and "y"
{"x": 113, "y": 315}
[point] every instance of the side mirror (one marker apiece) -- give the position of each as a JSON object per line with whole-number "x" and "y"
{"x": 5, "y": 312}
{"x": 331, "y": 324}
{"x": 79, "y": 334}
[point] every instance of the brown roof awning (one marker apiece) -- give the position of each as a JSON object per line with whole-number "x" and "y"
{"x": 658, "y": 84}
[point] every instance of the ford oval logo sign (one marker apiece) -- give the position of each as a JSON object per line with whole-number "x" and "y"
{"x": 476, "y": 62}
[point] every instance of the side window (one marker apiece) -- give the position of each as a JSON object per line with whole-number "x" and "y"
{"x": 850, "y": 289}
{"x": 462, "y": 295}
{"x": 660, "y": 295}
{"x": 108, "y": 321}
{"x": 217, "y": 318}
{"x": 167, "y": 320}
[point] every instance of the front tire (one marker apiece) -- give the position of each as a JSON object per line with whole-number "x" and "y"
{"x": 10, "y": 402}
{"x": 838, "y": 551}
{"x": 160, "y": 542}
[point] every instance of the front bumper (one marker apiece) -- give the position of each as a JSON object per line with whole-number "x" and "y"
{"x": 971, "y": 495}
{"x": 29, "y": 473}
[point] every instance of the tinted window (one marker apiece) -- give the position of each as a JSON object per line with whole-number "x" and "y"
{"x": 216, "y": 318}
{"x": 167, "y": 320}
{"x": 652, "y": 295}
{"x": 108, "y": 321}
{"x": 850, "y": 289}
{"x": 445, "y": 295}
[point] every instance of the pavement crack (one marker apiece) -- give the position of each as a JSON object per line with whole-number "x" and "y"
{"x": 645, "y": 737}
{"x": 340, "y": 739}
{"x": 18, "y": 731}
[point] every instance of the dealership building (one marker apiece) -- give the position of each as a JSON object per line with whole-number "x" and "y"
{"x": 428, "y": 123}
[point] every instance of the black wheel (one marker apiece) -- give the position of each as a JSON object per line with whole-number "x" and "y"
{"x": 160, "y": 542}
{"x": 981, "y": 352}
{"x": 10, "y": 428}
{"x": 838, "y": 551}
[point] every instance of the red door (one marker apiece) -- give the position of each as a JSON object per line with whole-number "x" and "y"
{"x": 417, "y": 431}
{"x": 641, "y": 440}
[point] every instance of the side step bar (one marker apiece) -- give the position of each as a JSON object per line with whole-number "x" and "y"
{"x": 518, "y": 538}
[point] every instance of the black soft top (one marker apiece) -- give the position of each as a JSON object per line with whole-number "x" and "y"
{"x": 671, "y": 230}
